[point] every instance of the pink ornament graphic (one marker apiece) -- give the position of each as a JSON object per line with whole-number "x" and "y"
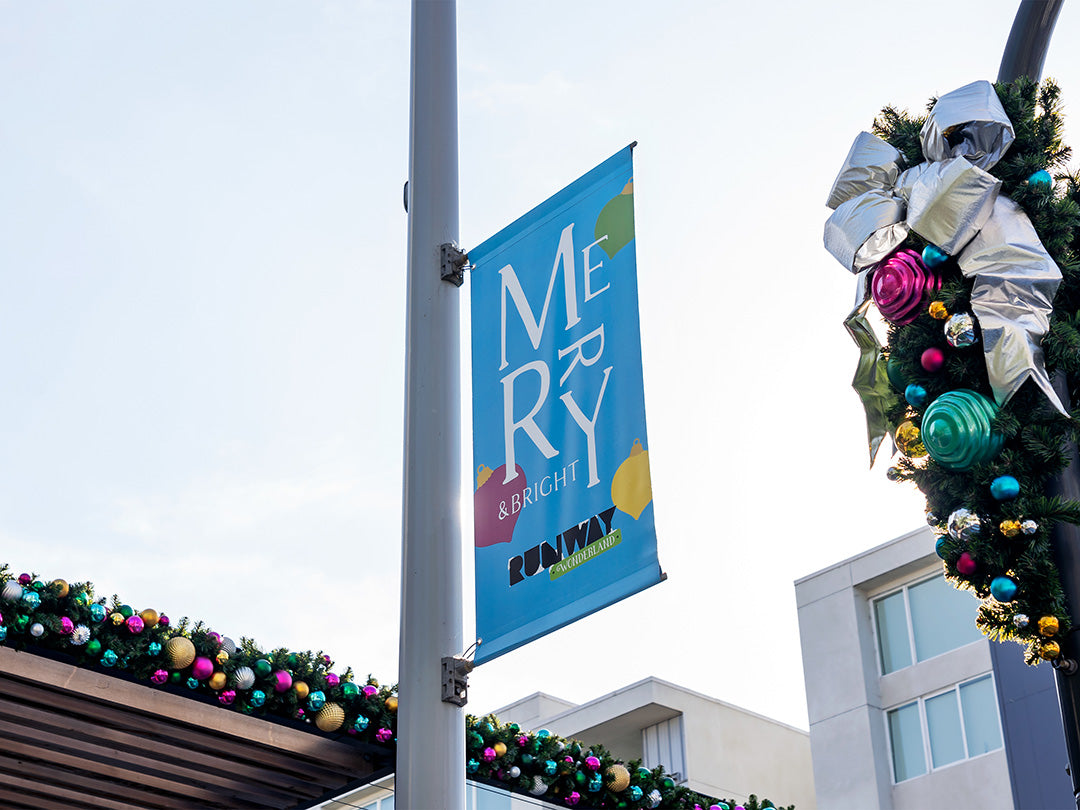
{"x": 899, "y": 285}
{"x": 494, "y": 507}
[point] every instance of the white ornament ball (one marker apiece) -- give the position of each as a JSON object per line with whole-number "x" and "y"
{"x": 37, "y": 630}
{"x": 515, "y": 772}
{"x": 654, "y": 798}
{"x": 80, "y": 635}
{"x": 12, "y": 591}
{"x": 228, "y": 645}
{"x": 539, "y": 787}
{"x": 244, "y": 678}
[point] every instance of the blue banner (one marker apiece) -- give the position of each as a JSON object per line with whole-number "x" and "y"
{"x": 563, "y": 496}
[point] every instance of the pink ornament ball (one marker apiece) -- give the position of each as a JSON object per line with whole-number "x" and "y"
{"x": 159, "y": 676}
{"x": 227, "y": 697}
{"x": 385, "y": 735}
{"x": 966, "y": 564}
{"x": 489, "y": 754}
{"x": 67, "y": 626}
{"x": 163, "y": 620}
{"x": 216, "y": 637}
{"x": 573, "y": 798}
{"x": 592, "y": 763}
{"x": 522, "y": 741}
{"x": 202, "y": 668}
{"x": 370, "y": 691}
{"x": 25, "y": 579}
{"x": 135, "y": 625}
{"x": 332, "y": 679}
{"x": 933, "y": 359}
{"x": 899, "y": 285}
{"x": 282, "y": 681}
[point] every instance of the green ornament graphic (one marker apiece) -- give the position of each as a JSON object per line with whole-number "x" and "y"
{"x": 616, "y": 221}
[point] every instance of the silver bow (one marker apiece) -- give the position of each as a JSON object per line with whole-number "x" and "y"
{"x": 954, "y": 203}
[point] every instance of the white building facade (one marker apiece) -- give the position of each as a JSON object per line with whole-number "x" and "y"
{"x": 909, "y": 705}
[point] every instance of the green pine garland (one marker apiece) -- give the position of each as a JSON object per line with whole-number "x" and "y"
{"x": 1036, "y": 435}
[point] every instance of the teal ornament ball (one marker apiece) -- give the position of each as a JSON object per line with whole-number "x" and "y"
{"x": 896, "y": 377}
{"x": 543, "y": 733}
{"x": 258, "y": 698}
{"x": 153, "y": 648}
{"x": 595, "y": 784}
{"x": 1004, "y": 488}
{"x": 1003, "y": 589}
{"x": 550, "y": 768}
{"x": 3, "y": 633}
{"x": 1041, "y": 178}
{"x": 939, "y": 547}
{"x": 361, "y": 723}
{"x": 472, "y": 766}
{"x": 192, "y": 683}
{"x": 97, "y": 612}
{"x": 957, "y": 430}
{"x": 635, "y": 793}
{"x": 108, "y": 658}
{"x": 316, "y": 701}
{"x": 915, "y": 395}
{"x": 31, "y": 599}
{"x": 933, "y": 256}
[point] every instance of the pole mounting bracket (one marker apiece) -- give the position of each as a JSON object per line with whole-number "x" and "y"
{"x": 452, "y": 263}
{"x": 455, "y": 679}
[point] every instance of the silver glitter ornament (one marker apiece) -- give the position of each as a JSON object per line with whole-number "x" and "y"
{"x": 539, "y": 787}
{"x": 1021, "y": 621}
{"x": 960, "y": 330}
{"x": 964, "y": 525}
{"x": 1029, "y": 526}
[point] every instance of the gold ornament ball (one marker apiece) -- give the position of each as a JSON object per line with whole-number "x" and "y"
{"x": 618, "y": 778}
{"x": 908, "y": 440}
{"x": 391, "y": 704}
{"x": 1050, "y": 650}
{"x": 330, "y": 717}
{"x": 938, "y": 311}
{"x": 222, "y": 656}
{"x": 117, "y": 618}
{"x": 217, "y": 681}
{"x": 500, "y": 749}
{"x": 302, "y": 689}
{"x": 179, "y": 652}
{"x": 1048, "y": 626}
{"x": 59, "y": 587}
{"x": 149, "y": 617}
{"x": 1010, "y": 528}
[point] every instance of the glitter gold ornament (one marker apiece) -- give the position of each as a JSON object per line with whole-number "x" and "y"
{"x": 1048, "y": 626}
{"x": 217, "y": 681}
{"x": 117, "y": 618}
{"x": 1050, "y": 650}
{"x": 330, "y": 717}
{"x": 1010, "y": 528}
{"x": 938, "y": 311}
{"x": 617, "y": 778}
{"x": 907, "y": 439}
{"x": 179, "y": 652}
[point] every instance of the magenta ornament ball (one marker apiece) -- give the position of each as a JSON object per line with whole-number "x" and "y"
{"x": 332, "y": 679}
{"x": 159, "y": 676}
{"x": 592, "y": 763}
{"x": 135, "y": 624}
{"x": 370, "y": 691}
{"x": 227, "y": 697}
{"x": 966, "y": 564}
{"x": 282, "y": 681}
{"x": 489, "y": 754}
{"x": 932, "y": 359}
{"x": 67, "y": 626}
{"x": 202, "y": 668}
{"x": 900, "y": 284}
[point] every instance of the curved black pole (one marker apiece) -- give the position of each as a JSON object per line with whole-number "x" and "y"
{"x": 1024, "y": 55}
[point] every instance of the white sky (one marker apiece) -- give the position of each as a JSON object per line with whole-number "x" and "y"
{"x": 202, "y": 260}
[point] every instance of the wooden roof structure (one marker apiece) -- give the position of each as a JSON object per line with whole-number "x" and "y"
{"x": 78, "y": 739}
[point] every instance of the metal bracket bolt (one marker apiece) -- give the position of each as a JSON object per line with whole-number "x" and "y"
{"x": 455, "y": 680}
{"x": 452, "y": 262}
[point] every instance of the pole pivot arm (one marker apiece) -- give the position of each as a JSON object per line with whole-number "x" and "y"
{"x": 455, "y": 679}
{"x": 452, "y": 261}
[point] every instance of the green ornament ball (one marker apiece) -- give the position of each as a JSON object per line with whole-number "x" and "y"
{"x": 350, "y": 689}
{"x": 896, "y": 377}
{"x": 263, "y": 668}
{"x": 93, "y": 647}
{"x": 126, "y": 611}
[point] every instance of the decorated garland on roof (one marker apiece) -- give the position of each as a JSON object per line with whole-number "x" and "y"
{"x": 565, "y": 771}
{"x": 147, "y": 646}
{"x": 966, "y": 244}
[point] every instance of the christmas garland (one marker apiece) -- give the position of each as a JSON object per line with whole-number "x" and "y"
{"x": 113, "y": 638}
{"x": 147, "y": 646}
{"x": 964, "y": 383}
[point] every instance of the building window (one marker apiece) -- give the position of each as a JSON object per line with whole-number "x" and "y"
{"x": 941, "y": 729}
{"x": 923, "y": 620}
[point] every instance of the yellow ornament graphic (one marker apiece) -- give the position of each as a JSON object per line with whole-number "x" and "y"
{"x": 631, "y": 488}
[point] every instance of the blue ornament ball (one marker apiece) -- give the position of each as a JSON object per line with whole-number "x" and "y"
{"x": 316, "y": 701}
{"x": 933, "y": 256}
{"x": 1041, "y": 178}
{"x": 97, "y": 612}
{"x": 108, "y": 658}
{"x": 550, "y": 767}
{"x": 635, "y": 793}
{"x": 258, "y": 698}
{"x": 3, "y": 633}
{"x": 472, "y": 766}
{"x": 361, "y": 723}
{"x": 31, "y": 599}
{"x": 543, "y": 733}
{"x": 153, "y": 648}
{"x": 939, "y": 547}
{"x": 1003, "y": 589}
{"x": 915, "y": 395}
{"x": 1004, "y": 488}
{"x": 595, "y": 784}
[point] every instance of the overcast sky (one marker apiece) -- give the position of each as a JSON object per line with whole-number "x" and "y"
{"x": 202, "y": 259}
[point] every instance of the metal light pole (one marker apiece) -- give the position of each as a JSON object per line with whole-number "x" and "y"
{"x": 1024, "y": 55}
{"x": 431, "y": 733}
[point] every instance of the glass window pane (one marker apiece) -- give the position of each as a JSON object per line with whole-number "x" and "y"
{"x": 943, "y": 723}
{"x": 489, "y": 797}
{"x": 942, "y": 617}
{"x": 387, "y": 803}
{"x": 892, "y": 632}
{"x": 979, "y": 703}
{"x": 905, "y": 731}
